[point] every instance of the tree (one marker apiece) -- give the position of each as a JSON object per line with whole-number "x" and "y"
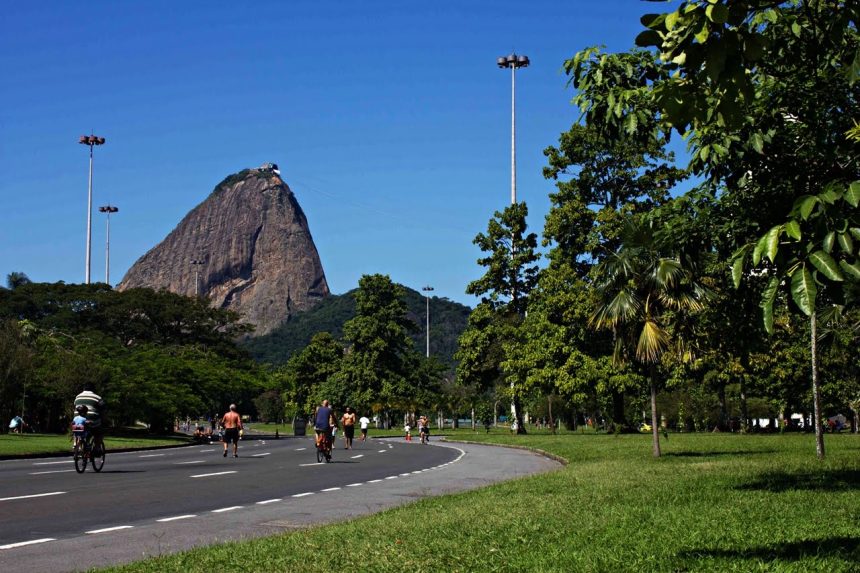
{"x": 308, "y": 372}
{"x": 16, "y": 279}
{"x": 511, "y": 274}
{"x": 645, "y": 290}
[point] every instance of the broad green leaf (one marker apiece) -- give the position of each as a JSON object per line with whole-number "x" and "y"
{"x": 795, "y": 29}
{"x": 737, "y": 271}
{"x": 845, "y": 243}
{"x": 649, "y": 38}
{"x": 851, "y": 269}
{"x": 757, "y": 142}
{"x": 853, "y": 70}
{"x": 671, "y": 20}
{"x": 807, "y": 203}
{"x": 831, "y": 194}
{"x": 827, "y": 243}
{"x": 702, "y": 35}
{"x": 772, "y": 242}
{"x": 792, "y": 229}
{"x": 760, "y": 247}
{"x": 855, "y": 232}
{"x": 826, "y": 265}
{"x": 803, "y": 290}
{"x": 717, "y": 13}
{"x": 767, "y": 298}
{"x": 652, "y": 20}
{"x": 852, "y": 195}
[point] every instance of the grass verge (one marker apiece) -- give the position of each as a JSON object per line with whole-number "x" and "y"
{"x": 36, "y": 444}
{"x": 713, "y": 502}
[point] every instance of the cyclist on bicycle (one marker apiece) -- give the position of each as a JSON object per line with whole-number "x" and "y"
{"x": 323, "y": 422}
{"x": 95, "y": 409}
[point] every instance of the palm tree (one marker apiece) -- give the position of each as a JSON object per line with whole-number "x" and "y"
{"x": 645, "y": 292}
{"x": 16, "y": 279}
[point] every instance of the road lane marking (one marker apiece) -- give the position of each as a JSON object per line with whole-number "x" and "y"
{"x": 214, "y": 474}
{"x": 304, "y": 494}
{"x": 300, "y": 449}
{"x": 405, "y": 475}
{"x": 261, "y": 455}
{"x": 268, "y": 501}
{"x": 152, "y": 456}
{"x": 52, "y": 463}
{"x": 223, "y": 509}
{"x": 330, "y": 489}
{"x": 109, "y": 529}
{"x": 382, "y": 451}
{"x": 391, "y": 477}
{"x": 50, "y": 472}
{"x": 31, "y": 496}
{"x": 206, "y": 451}
{"x": 23, "y": 543}
{"x": 313, "y": 464}
{"x": 374, "y": 481}
{"x": 358, "y": 456}
{"x": 186, "y": 463}
{"x": 353, "y": 484}
{"x": 166, "y": 519}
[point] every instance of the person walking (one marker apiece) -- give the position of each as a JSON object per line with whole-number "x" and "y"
{"x": 348, "y": 421}
{"x": 232, "y": 423}
{"x": 364, "y": 424}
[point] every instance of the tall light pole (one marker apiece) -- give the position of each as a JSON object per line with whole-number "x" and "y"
{"x": 91, "y": 141}
{"x": 428, "y": 290}
{"x": 196, "y": 263}
{"x": 513, "y": 61}
{"x": 107, "y": 209}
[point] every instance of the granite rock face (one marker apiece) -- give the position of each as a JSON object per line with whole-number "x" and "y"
{"x": 246, "y": 248}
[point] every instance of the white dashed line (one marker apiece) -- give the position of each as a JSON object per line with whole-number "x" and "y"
{"x": 186, "y": 463}
{"x": 31, "y": 496}
{"x": 313, "y": 464}
{"x": 223, "y": 509}
{"x": 375, "y": 481}
{"x": 109, "y": 529}
{"x": 178, "y": 517}
{"x": 382, "y": 451}
{"x": 50, "y": 472}
{"x": 52, "y": 463}
{"x": 213, "y": 474}
{"x": 261, "y": 455}
{"x": 304, "y": 494}
{"x": 24, "y": 543}
{"x": 152, "y": 456}
{"x": 392, "y": 477}
{"x": 358, "y": 456}
{"x": 206, "y": 451}
{"x": 330, "y": 489}
{"x": 268, "y": 501}
{"x": 405, "y": 475}
{"x": 417, "y": 471}
{"x": 353, "y": 484}
{"x": 300, "y": 449}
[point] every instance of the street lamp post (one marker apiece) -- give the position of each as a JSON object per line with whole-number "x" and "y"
{"x": 91, "y": 141}
{"x": 513, "y": 61}
{"x": 428, "y": 290}
{"x": 107, "y": 209}
{"x": 196, "y": 263}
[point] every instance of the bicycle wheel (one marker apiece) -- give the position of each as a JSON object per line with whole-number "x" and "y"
{"x": 328, "y": 453}
{"x": 319, "y": 454}
{"x": 97, "y": 457}
{"x": 80, "y": 459}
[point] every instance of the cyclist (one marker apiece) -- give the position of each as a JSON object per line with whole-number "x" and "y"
{"x": 323, "y": 422}
{"x": 95, "y": 410}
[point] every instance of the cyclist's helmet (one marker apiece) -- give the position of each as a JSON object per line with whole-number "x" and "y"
{"x": 81, "y": 409}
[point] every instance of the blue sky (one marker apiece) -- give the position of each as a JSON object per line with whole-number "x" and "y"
{"x": 389, "y": 119}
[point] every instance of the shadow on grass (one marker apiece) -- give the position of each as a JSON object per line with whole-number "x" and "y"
{"x": 819, "y": 481}
{"x": 714, "y": 453}
{"x": 840, "y": 547}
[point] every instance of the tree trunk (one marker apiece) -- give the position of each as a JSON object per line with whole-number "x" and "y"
{"x": 745, "y": 415}
{"x": 549, "y": 410}
{"x": 655, "y": 430}
{"x": 618, "y": 408}
{"x": 473, "y": 419}
{"x": 816, "y": 391}
{"x": 521, "y": 428}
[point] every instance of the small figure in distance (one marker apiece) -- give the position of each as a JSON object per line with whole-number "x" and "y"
{"x": 348, "y": 421}
{"x": 408, "y": 429}
{"x": 364, "y": 424}
{"x": 323, "y": 417}
{"x": 16, "y": 425}
{"x": 424, "y": 429}
{"x": 95, "y": 411}
{"x": 232, "y": 423}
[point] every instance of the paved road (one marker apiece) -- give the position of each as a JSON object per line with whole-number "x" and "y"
{"x": 149, "y": 503}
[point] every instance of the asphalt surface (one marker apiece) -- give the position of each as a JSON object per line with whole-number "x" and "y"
{"x": 155, "y": 502}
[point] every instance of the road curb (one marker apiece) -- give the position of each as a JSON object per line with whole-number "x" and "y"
{"x": 544, "y": 453}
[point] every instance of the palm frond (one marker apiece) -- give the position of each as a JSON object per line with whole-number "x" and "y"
{"x": 653, "y": 341}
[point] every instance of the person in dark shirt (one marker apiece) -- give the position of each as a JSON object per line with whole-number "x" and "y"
{"x": 323, "y": 418}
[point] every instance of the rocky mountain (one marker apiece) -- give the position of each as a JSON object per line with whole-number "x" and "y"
{"x": 246, "y": 248}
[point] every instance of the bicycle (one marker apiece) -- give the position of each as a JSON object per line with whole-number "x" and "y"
{"x": 86, "y": 450}
{"x": 324, "y": 448}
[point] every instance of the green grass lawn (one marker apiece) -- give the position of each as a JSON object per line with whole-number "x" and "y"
{"x": 34, "y": 444}
{"x": 713, "y": 502}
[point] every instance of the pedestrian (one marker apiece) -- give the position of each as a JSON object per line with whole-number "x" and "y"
{"x": 364, "y": 424}
{"x": 232, "y": 423}
{"x": 16, "y": 425}
{"x": 408, "y": 430}
{"x": 424, "y": 429}
{"x": 348, "y": 421}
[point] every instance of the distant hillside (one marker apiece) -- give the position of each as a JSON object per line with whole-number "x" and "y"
{"x": 447, "y": 321}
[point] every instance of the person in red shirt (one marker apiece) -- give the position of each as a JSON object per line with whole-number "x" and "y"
{"x": 232, "y": 423}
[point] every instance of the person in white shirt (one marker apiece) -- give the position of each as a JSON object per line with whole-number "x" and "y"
{"x": 364, "y": 423}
